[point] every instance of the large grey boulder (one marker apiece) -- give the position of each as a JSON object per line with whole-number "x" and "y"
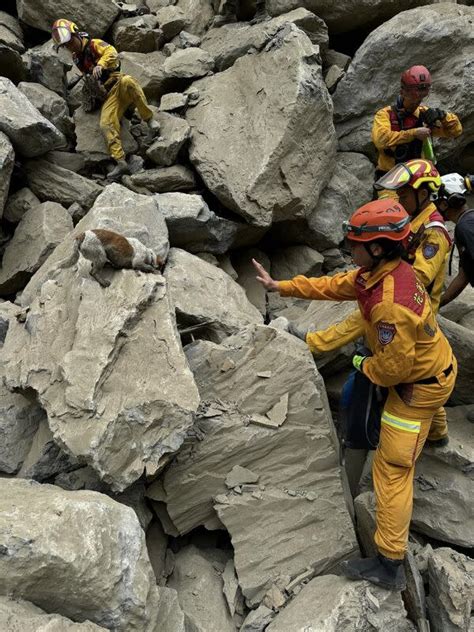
{"x": 424, "y": 34}
{"x": 349, "y": 188}
{"x": 39, "y": 232}
{"x": 231, "y": 41}
{"x": 172, "y": 20}
{"x": 204, "y": 294}
{"x": 7, "y": 161}
{"x": 12, "y": 64}
{"x": 11, "y": 34}
{"x": 29, "y": 131}
{"x": 90, "y": 16}
{"x": 51, "y": 182}
{"x": 47, "y": 67}
{"x": 331, "y": 603}
{"x": 79, "y": 554}
{"x": 19, "y": 203}
{"x": 348, "y": 15}
{"x": 165, "y": 179}
{"x": 22, "y": 616}
{"x": 19, "y": 419}
{"x": 174, "y": 133}
{"x": 199, "y": 14}
{"x": 275, "y": 113}
{"x": 451, "y": 592}
{"x": 461, "y": 340}
{"x": 139, "y": 34}
{"x": 281, "y": 432}
{"x": 51, "y": 105}
{"x": 195, "y": 228}
{"x": 289, "y": 262}
{"x": 199, "y": 588}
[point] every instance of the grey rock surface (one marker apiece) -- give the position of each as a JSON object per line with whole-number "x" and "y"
{"x": 204, "y": 294}
{"x": 331, "y": 603}
{"x": 29, "y": 131}
{"x": 165, "y": 179}
{"x": 427, "y": 34}
{"x": 40, "y": 230}
{"x": 170, "y": 616}
{"x": 199, "y": 14}
{"x": 82, "y": 542}
{"x": 51, "y": 105}
{"x": 231, "y": 41}
{"x": 242, "y": 264}
{"x": 269, "y": 108}
{"x": 174, "y": 132}
{"x": 11, "y": 34}
{"x": 172, "y": 20}
{"x": 93, "y": 18}
{"x": 289, "y": 262}
{"x": 461, "y": 340}
{"x": 19, "y": 203}
{"x": 7, "y": 160}
{"x": 51, "y": 182}
{"x": 47, "y": 67}
{"x": 138, "y": 34}
{"x": 23, "y": 616}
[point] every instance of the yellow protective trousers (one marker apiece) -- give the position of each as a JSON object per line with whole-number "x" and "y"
{"x": 409, "y": 414}
{"x": 126, "y": 92}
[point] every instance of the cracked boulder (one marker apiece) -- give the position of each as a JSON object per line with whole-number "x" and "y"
{"x": 39, "y": 232}
{"x": 274, "y": 110}
{"x": 451, "y": 591}
{"x": 7, "y": 161}
{"x": 282, "y": 432}
{"x": 22, "y": 616}
{"x": 331, "y": 603}
{"x": 205, "y": 295}
{"x": 231, "y": 41}
{"x": 423, "y": 34}
{"x": 51, "y": 105}
{"x": 95, "y": 18}
{"x": 45, "y": 66}
{"x": 67, "y": 552}
{"x": 30, "y": 133}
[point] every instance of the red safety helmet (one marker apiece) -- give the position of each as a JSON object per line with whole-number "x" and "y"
{"x": 412, "y": 173}
{"x": 416, "y": 78}
{"x": 382, "y": 218}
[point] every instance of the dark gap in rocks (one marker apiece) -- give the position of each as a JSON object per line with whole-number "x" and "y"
{"x": 9, "y": 6}
{"x": 34, "y": 37}
{"x": 202, "y": 539}
{"x": 349, "y": 42}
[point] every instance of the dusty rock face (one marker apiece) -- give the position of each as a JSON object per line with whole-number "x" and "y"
{"x": 39, "y": 232}
{"x": 165, "y": 179}
{"x": 7, "y": 160}
{"x": 274, "y": 134}
{"x": 82, "y": 561}
{"x": 199, "y": 587}
{"x": 461, "y": 340}
{"x": 349, "y": 14}
{"x": 91, "y": 18}
{"x": 334, "y": 603}
{"x": 51, "y": 182}
{"x": 243, "y": 266}
{"x": 174, "y": 132}
{"x": 424, "y": 34}
{"x": 228, "y": 43}
{"x": 349, "y": 188}
{"x": 11, "y": 34}
{"x": 287, "y": 444}
{"x": 22, "y": 616}
{"x": 138, "y": 34}
{"x": 451, "y": 581}
{"x": 30, "y": 133}
{"x": 46, "y": 67}
{"x": 199, "y": 14}
{"x": 50, "y": 105}
{"x": 288, "y": 262}
{"x": 204, "y": 294}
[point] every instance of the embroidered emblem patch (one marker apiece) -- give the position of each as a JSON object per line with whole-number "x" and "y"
{"x": 429, "y": 250}
{"x": 386, "y": 332}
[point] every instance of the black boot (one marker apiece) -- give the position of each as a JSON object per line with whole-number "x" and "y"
{"x": 379, "y": 570}
{"x": 437, "y": 443}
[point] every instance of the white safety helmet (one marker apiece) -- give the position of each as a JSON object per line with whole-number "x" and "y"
{"x": 454, "y": 183}
{"x": 454, "y": 188}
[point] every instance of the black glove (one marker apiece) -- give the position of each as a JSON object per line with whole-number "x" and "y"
{"x": 431, "y": 115}
{"x": 297, "y": 330}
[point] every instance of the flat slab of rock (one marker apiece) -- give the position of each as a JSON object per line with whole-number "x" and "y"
{"x": 39, "y": 232}
{"x": 165, "y": 179}
{"x": 29, "y": 131}
{"x": 274, "y": 111}
{"x": 204, "y": 294}
{"x": 23, "y": 616}
{"x": 51, "y": 105}
{"x": 331, "y": 603}
{"x": 93, "y": 18}
{"x": 174, "y": 132}
{"x": 51, "y": 182}
{"x": 81, "y": 541}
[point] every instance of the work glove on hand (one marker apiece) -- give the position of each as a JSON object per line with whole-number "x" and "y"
{"x": 297, "y": 330}
{"x": 431, "y": 115}
{"x": 358, "y": 361}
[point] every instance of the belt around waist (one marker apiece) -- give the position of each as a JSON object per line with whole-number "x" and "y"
{"x": 434, "y": 379}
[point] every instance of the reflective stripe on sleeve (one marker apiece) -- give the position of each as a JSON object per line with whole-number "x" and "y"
{"x": 401, "y": 424}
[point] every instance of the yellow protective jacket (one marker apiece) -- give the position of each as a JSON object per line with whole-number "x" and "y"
{"x": 385, "y": 138}
{"x": 96, "y": 52}
{"x": 399, "y": 324}
{"x": 428, "y": 253}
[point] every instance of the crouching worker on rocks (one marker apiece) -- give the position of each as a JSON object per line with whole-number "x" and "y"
{"x": 411, "y": 357}
{"x": 95, "y": 58}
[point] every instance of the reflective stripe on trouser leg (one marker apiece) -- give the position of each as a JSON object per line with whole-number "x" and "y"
{"x": 110, "y": 124}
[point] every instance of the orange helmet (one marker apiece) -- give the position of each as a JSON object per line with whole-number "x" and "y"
{"x": 62, "y": 31}
{"x": 416, "y": 77}
{"x": 382, "y": 218}
{"x": 412, "y": 173}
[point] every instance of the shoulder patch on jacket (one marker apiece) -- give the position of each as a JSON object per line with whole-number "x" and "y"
{"x": 408, "y": 291}
{"x": 430, "y": 250}
{"x": 385, "y": 332}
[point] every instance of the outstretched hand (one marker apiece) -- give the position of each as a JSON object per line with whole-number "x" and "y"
{"x": 264, "y": 278}
{"x": 97, "y": 72}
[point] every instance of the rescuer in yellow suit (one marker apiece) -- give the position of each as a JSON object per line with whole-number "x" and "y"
{"x": 410, "y": 356}
{"x": 99, "y": 59}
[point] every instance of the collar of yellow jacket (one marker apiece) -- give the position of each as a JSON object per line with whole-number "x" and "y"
{"x": 373, "y": 276}
{"x": 422, "y": 218}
